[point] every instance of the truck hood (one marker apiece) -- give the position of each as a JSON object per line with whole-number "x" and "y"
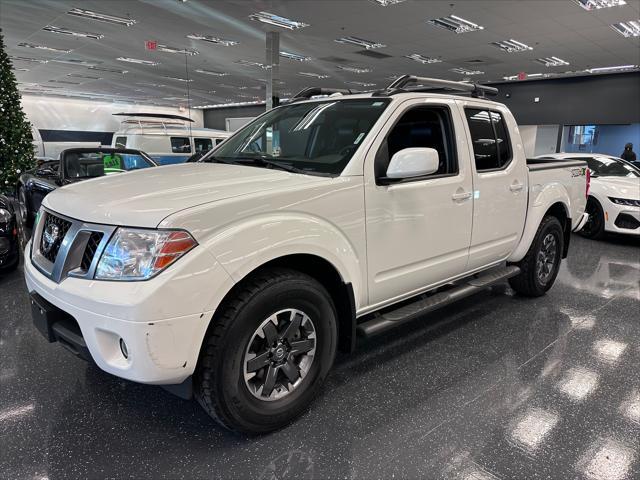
{"x": 620, "y": 187}
{"x": 145, "y": 197}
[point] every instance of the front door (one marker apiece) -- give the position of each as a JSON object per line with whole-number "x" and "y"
{"x": 419, "y": 230}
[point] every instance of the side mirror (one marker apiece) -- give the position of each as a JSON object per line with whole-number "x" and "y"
{"x": 413, "y": 162}
{"x": 45, "y": 172}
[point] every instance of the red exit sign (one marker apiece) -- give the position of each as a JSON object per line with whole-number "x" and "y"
{"x": 151, "y": 45}
{"x": 522, "y": 76}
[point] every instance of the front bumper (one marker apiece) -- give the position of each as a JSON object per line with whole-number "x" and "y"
{"x": 162, "y": 321}
{"x": 622, "y": 219}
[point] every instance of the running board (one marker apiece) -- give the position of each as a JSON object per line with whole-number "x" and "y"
{"x": 386, "y": 321}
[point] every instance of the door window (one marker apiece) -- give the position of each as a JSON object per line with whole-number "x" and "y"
{"x": 180, "y": 145}
{"x": 491, "y": 145}
{"x": 121, "y": 142}
{"x": 202, "y": 144}
{"x": 427, "y": 127}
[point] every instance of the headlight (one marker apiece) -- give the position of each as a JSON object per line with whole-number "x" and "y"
{"x": 138, "y": 254}
{"x": 625, "y": 201}
{"x": 5, "y": 219}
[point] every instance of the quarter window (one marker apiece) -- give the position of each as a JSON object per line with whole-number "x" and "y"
{"x": 202, "y": 144}
{"x": 121, "y": 142}
{"x": 180, "y": 145}
{"x": 491, "y": 145}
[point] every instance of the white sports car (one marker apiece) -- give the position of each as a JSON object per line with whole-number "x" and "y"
{"x": 614, "y": 198}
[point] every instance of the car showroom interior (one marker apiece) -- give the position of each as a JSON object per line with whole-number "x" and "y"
{"x": 320, "y": 239}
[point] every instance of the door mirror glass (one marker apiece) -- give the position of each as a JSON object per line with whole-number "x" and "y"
{"x": 413, "y": 162}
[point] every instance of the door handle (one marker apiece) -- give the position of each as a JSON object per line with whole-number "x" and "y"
{"x": 461, "y": 196}
{"x": 516, "y": 187}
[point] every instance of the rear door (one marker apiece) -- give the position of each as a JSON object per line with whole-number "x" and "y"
{"x": 418, "y": 231}
{"x": 499, "y": 184}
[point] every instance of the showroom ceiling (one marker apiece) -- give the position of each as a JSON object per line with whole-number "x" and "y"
{"x": 558, "y": 30}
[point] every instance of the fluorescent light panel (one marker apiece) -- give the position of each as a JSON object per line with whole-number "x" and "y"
{"x": 422, "y": 59}
{"x": 212, "y": 39}
{"x": 360, "y": 42}
{"x": 511, "y": 46}
{"x": 628, "y": 29}
{"x": 139, "y": 62}
{"x": 352, "y": 69}
{"x": 552, "y": 61}
{"x": 211, "y": 72}
{"x": 108, "y": 69}
{"x": 590, "y": 5}
{"x": 178, "y": 79}
{"x": 455, "y": 24}
{"x": 464, "y": 71}
{"x": 73, "y": 33}
{"x": 313, "y": 75}
{"x": 386, "y": 3}
{"x": 102, "y": 17}
{"x": 232, "y": 104}
{"x": 612, "y": 69}
{"x": 278, "y": 21}
{"x": 184, "y": 51}
{"x": 43, "y": 47}
{"x": 28, "y": 59}
{"x": 294, "y": 56}
{"x": 66, "y": 82}
{"x": 362, "y": 84}
{"x": 76, "y": 61}
{"x": 80, "y": 75}
{"x": 249, "y": 63}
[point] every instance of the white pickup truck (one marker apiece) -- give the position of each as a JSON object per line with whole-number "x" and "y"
{"x": 236, "y": 279}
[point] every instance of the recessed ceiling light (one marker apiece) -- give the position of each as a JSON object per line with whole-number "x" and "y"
{"x": 278, "y": 21}
{"x": 147, "y": 84}
{"x": 598, "y": 4}
{"x": 249, "y": 63}
{"x": 552, "y": 61}
{"x": 422, "y": 59}
{"x": 108, "y": 69}
{"x": 101, "y": 17}
{"x": 628, "y": 29}
{"x": 211, "y": 72}
{"x": 362, "y": 84}
{"x": 455, "y": 24}
{"x": 28, "y": 59}
{"x": 212, "y": 39}
{"x": 135, "y": 60}
{"x": 184, "y": 51}
{"x": 43, "y": 47}
{"x": 352, "y": 69}
{"x": 386, "y": 3}
{"x": 314, "y": 75}
{"x": 65, "y": 81}
{"x": 22, "y": 70}
{"x": 360, "y": 42}
{"x": 80, "y": 75}
{"x": 76, "y": 61}
{"x": 611, "y": 69}
{"x": 73, "y": 33}
{"x": 294, "y": 56}
{"x": 511, "y": 46}
{"x": 178, "y": 79}
{"x": 464, "y": 71}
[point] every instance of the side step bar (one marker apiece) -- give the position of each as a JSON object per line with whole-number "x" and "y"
{"x": 386, "y": 321}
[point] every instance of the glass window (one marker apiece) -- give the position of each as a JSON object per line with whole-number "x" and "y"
{"x": 98, "y": 164}
{"x": 609, "y": 167}
{"x": 202, "y": 144}
{"x": 491, "y": 145}
{"x": 121, "y": 142}
{"x": 428, "y": 127}
{"x": 219, "y": 141}
{"x": 180, "y": 145}
{"x": 314, "y": 137}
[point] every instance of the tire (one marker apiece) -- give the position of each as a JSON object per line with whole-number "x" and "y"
{"x": 221, "y": 383}
{"x": 594, "y": 228}
{"x": 534, "y": 281}
{"x": 23, "y": 208}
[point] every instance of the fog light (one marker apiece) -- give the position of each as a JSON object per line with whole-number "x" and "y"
{"x": 123, "y": 349}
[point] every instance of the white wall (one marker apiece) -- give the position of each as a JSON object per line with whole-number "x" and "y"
{"x": 52, "y": 113}
{"x": 528, "y": 135}
{"x": 546, "y": 139}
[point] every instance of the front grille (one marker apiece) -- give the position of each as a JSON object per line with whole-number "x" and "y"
{"x": 50, "y": 249}
{"x": 627, "y": 221}
{"x": 90, "y": 250}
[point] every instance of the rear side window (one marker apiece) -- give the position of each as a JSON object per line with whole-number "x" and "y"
{"x": 202, "y": 144}
{"x": 427, "y": 127}
{"x": 180, "y": 145}
{"x": 219, "y": 141}
{"x": 121, "y": 142}
{"x": 491, "y": 145}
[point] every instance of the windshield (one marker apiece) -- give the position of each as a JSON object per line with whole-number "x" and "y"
{"x": 315, "y": 138}
{"x": 98, "y": 164}
{"x": 610, "y": 167}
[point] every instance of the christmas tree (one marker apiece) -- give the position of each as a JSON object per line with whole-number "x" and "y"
{"x": 16, "y": 140}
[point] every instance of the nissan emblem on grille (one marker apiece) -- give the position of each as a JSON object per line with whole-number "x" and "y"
{"x": 50, "y": 237}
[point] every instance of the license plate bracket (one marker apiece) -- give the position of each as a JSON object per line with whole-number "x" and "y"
{"x": 44, "y": 315}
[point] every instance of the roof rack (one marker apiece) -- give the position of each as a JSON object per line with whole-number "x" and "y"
{"x": 425, "y": 84}
{"x": 309, "y": 92}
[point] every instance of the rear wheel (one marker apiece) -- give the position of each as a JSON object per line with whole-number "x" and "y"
{"x": 540, "y": 266}
{"x": 23, "y": 208}
{"x": 268, "y": 352}
{"x": 594, "y": 228}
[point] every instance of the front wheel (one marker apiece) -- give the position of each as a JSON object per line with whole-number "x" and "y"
{"x": 268, "y": 352}
{"x": 594, "y": 228}
{"x": 539, "y": 268}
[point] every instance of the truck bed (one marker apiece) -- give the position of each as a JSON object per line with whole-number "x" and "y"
{"x": 535, "y": 164}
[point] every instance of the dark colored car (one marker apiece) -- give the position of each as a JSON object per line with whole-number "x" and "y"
{"x": 9, "y": 245}
{"x": 74, "y": 165}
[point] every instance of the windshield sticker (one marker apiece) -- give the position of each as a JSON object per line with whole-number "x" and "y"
{"x": 357, "y": 140}
{"x": 112, "y": 161}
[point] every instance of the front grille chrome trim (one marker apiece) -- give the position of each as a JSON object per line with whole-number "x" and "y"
{"x": 69, "y": 258}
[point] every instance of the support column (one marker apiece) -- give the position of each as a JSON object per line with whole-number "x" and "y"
{"x": 273, "y": 73}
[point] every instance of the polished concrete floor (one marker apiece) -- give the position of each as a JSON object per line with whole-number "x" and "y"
{"x": 494, "y": 387}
